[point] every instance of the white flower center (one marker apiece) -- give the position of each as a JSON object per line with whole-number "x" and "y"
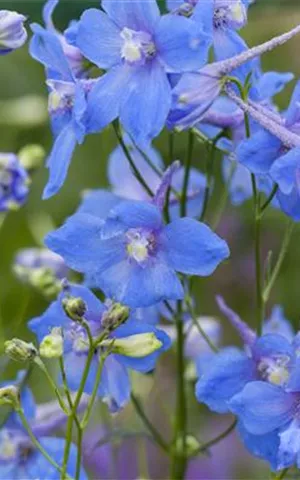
{"x": 275, "y": 371}
{"x": 138, "y": 245}
{"x": 137, "y": 46}
{"x": 8, "y": 448}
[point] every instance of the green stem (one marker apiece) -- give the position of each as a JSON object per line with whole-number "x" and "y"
{"x": 200, "y": 329}
{"x": 281, "y": 474}
{"x": 269, "y": 199}
{"x": 179, "y": 460}
{"x": 126, "y": 151}
{"x": 281, "y": 257}
{"x": 37, "y": 444}
{"x": 259, "y": 285}
{"x": 67, "y": 449}
{"x": 150, "y": 427}
{"x": 215, "y": 440}
{"x": 186, "y": 178}
{"x": 79, "y": 453}
{"x": 38, "y": 361}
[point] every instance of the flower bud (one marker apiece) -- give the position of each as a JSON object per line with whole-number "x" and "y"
{"x": 137, "y": 346}
{"x": 10, "y": 396}
{"x": 12, "y": 32}
{"x": 52, "y": 346}
{"x": 74, "y": 308}
{"x": 116, "y": 315}
{"x": 31, "y": 157}
{"x": 20, "y": 351}
{"x": 14, "y": 182}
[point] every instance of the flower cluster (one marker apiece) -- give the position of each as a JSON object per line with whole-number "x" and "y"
{"x": 119, "y": 272}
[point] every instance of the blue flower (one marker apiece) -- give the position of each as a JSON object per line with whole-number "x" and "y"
{"x": 138, "y": 48}
{"x": 266, "y": 409}
{"x": 19, "y": 458}
{"x": 269, "y": 358}
{"x": 12, "y": 31}
{"x": 115, "y": 384}
{"x": 220, "y": 19}
{"x": 29, "y": 261}
{"x": 14, "y": 182}
{"x": 133, "y": 256}
{"x": 67, "y": 104}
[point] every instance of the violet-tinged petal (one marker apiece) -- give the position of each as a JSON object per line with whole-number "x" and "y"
{"x": 12, "y": 31}
{"x": 293, "y": 112}
{"x": 246, "y": 333}
{"x": 226, "y": 374}
{"x": 166, "y": 181}
{"x": 285, "y": 171}
{"x": 262, "y": 407}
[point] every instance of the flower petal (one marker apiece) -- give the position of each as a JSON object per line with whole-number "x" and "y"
{"x": 98, "y": 38}
{"x": 259, "y": 152}
{"x": 115, "y": 384}
{"x": 59, "y": 160}
{"x": 227, "y": 374}
{"x": 286, "y": 170}
{"x": 134, "y": 14}
{"x": 263, "y": 407}
{"x": 145, "y": 110}
{"x": 262, "y": 446}
{"x": 191, "y": 247}
{"x": 181, "y": 44}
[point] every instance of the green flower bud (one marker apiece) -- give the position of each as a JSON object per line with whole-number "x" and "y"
{"x": 137, "y": 346}
{"x": 32, "y": 157}
{"x": 44, "y": 280}
{"x": 115, "y": 316}
{"x": 52, "y": 346}
{"x": 20, "y": 351}
{"x": 75, "y": 308}
{"x": 10, "y": 396}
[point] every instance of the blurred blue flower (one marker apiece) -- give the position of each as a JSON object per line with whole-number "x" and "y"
{"x": 12, "y": 31}
{"x": 30, "y": 260}
{"x": 115, "y": 384}
{"x": 19, "y": 458}
{"x": 138, "y": 47}
{"x": 133, "y": 256}
{"x": 14, "y": 182}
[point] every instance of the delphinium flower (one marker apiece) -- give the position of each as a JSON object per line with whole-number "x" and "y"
{"x": 195, "y": 92}
{"x": 14, "y": 182}
{"x": 19, "y": 457}
{"x": 220, "y": 19}
{"x": 137, "y": 345}
{"x": 132, "y": 255}
{"x": 40, "y": 268}
{"x": 270, "y": 411}
{"x": 12, "y": 31}
{"x": 138, "y": 47}
{"x": 268, "y": 359}
{"x": 67, "y": 104}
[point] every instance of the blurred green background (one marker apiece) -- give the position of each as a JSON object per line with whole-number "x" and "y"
{"x": 22, "y": 76}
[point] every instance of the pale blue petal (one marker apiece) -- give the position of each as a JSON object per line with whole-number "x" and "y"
{"x": 140, "y": 286}
{"x": 115, "y": 384}
{"x": 203, "y": 14}
{"x": 261, "y": 446}
{"x": 46, "y": 48}
{"x": 262, "y": 407}
{"x": 106, "y": 96}
{"x": 227, "y": 44}
{"x": 272, "y": 345}
{"x": 290, "y": 204}
{"x": 144, "y": 111}
{"x": 59, "y": 160}
{"x": 79, "y": 242}
{"x": 289, "y": 449}
{"x": 293, "y": 112}
{"x": 173, "y": 4}
{"x": 270, "y": 84}
{"x": 140, "y": 15}
{"x": 277, "y": 323}
{"x": 226, "y": 374}
{"x": 99, "y": 39}
{"x": 98, "y": 203}
{"x": 182, "y": 45}
{"x": 286, "y": 170}
{"x": 259, "y": 152}
{"x": 48, "y": 11}
{"x": 191, "y": 247}
{"x": 135, "y": 214}
{"x": 74, "y": 367}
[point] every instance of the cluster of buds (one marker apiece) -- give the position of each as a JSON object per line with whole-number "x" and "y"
{"x": 116, "y": 315}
